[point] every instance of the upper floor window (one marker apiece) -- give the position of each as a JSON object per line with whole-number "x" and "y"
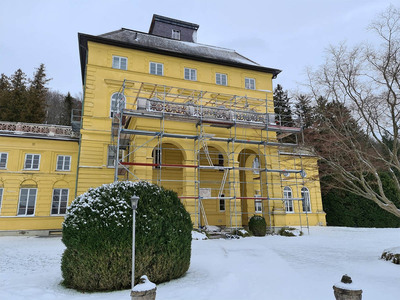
{"x": 63, "y": 163}
{"x": 176, "y": 34}
{"x": 250, "y": 83}
{"x": 27, "y": 201}
{"x": 117, "y": 103}
{"x": 156, "y": 68}
{"x": 32, "y": 161}
{"x": 60, "y": 201}
{"x": 190, "y": 74}
{"x": 256, "y": 165}
{"x": 120, "y": 63}
{"x": 305, "y": 194}
{"x": 3, "y": 160}
{"x": 111, "y": 155}
{"x": 221, "y": 79}
{"x": 287, "y": 196}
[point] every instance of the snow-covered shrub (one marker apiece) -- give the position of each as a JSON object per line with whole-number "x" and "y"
{"x": 97, "y": 233}
{"x": 290, "y": 231}
{"x": 392, "y": 255}
{"x": 258, "y": 226}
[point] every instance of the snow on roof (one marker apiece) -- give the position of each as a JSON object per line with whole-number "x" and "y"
{"x": 188, "y": 48}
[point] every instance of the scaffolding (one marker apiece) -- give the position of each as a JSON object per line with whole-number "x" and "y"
{"x": 231, "y": 151}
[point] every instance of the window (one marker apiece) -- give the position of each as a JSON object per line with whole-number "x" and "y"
{"x": 221, "y": 79}
{"x": 156, "y": 68}
{"x": 257, "y": 204}
{"x": 111, "y": 155}
{"x": 60, "y": 201}
{"x": 63, "y": 163}
{"x": 32, "y": 161}
{"x": 27, "y": 201}
{"x": 176, "y": 34}
{"x": 120, "y": 63}
{"x": 3, "y": 160}
{"x": 117, "y": 103}
{"x": 220, "y": 160}
{"x": 256, "y": 165}
{"x": 1, "y": 197}
{"x": 156, "y": 154}
{"x": 190, "y": 74}
{"x": 305, "y": 194}
{"x": 287, "y": 196}
{"x": 222, "y": 203}
{"x": 250, "y": 83}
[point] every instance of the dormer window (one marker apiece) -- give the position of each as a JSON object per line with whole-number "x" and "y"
{"x": 176, "y": 34}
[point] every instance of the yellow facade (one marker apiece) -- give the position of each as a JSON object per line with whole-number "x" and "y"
{"x": 165, "y": 138}
{"x": 15, "y": 177}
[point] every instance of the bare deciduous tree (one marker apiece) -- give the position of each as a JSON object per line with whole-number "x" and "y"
{"x": 363, "y": 133}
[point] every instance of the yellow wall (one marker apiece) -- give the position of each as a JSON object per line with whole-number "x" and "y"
{"x": 14, "y": 177}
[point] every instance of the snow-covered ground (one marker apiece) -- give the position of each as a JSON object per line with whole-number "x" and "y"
{"x": 271, "y": 267}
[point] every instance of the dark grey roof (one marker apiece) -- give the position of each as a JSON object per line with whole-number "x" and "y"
{"x": 143, "y": 41}
{"x": 195, "y": 49}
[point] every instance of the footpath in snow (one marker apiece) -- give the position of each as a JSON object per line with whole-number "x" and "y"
{"x": 271, "y": 267}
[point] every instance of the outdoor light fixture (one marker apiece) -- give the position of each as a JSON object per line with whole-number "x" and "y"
{"x": 134, "y": 201}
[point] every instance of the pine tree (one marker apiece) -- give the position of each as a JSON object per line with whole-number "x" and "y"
{"x": 14, "y": 109}
{"x": 304, "y": 111}
{"x": 283, "y": 111}
{"x": 68, "y": 106}
{"x": 4, "y": 93}
{"x": 37, "y": 96}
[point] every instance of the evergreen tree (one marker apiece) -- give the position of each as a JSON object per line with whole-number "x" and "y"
{"x": 283, "y": 111}
{"x": 304, "y": 111}
{"x": 36, "y": 106}
{"x": 68, "y": 106}
{"x": 14, "y": 109}
{"x": 4, "y": 94}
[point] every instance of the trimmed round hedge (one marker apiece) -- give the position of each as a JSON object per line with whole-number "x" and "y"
{"x": 258, "y": 226}
{"x": 97, "y": 233}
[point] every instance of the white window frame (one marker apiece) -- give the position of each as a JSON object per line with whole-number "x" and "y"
{"x": 31, "y": 167}
{"x": 62, "y": 199}
{"x": 157, "y": 157}
{"x": 306, "y": 202}
{"x": 1, "y": 197}
{"x": 23, "y": 210}
{"x": 3, "y": 160}
{"x": 176, "y": 34}
{"x": 221, "y": 79}
{"x": 157, "y": 67}
{"x": 190, "y": 74}
{"x": 258, "y": 205}
{"x": 119, "y": 62}
{"x": 113, "y": 103}
{"x": 249, "y": 83}
{"x": 62, "y": 159}
{"x": 222, "y": 202}
{"x": 288, "y": 198}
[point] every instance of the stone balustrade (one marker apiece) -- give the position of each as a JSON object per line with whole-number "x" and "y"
{"x": 18, "y": 128}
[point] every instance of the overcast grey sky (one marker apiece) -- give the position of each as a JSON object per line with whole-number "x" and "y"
{"x": 286, "y": 34}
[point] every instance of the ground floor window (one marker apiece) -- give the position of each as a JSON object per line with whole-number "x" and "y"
{"x": 1, "y": 197}
{"x": 305, "y": 194}
{"x": 287, "y": 196}
{"x": 222, "y": 203}
{"x": 258, "y": 204}
{"x": 27, "y": 201}
{"x": 60, "y": 201}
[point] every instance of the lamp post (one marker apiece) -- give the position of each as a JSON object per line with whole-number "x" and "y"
{"x": 134, "y": 201}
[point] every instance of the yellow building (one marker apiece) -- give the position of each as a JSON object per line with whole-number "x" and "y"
{"x": 194, "y": 118}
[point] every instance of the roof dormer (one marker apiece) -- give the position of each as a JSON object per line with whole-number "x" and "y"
{"x": 173, "y": 29}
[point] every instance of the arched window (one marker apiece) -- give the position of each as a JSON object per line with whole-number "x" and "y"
{"x": 305, "y": 194}
{"x": 287, "y": 196}
{"x": 118, "y": 102}
{"x": 256, "y": 165}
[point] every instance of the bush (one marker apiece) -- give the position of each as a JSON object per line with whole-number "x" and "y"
{"x": 290, "y": 231}
{"x": 97, "y": 232}
{"x": 258, "y": 226}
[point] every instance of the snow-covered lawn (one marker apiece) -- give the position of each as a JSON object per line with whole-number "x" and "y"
{"x": 271, "y": 267}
